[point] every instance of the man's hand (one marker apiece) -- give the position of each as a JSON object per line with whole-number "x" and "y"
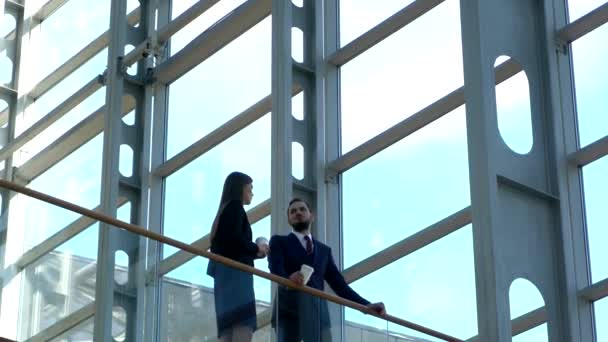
{"x": 377, "y": 307}
{"x": 263, "y": 250}
{"x": 297, "y": 277}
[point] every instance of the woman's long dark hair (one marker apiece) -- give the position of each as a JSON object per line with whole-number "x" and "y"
{"x": 233, "y": 190}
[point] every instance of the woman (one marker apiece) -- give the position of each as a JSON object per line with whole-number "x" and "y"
{"x": 231, "y": 237}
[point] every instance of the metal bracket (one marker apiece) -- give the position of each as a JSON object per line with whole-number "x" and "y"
{"x": 561, "y": 46}
{"x": 331, "y": 176}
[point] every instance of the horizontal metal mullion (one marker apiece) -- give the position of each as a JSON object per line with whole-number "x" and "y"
{"x": 596, "y": 291}
{"x": 590, "y": 153}
{"x": 383, "y": 30}
{"x": 59, "y": 238}
{"x": 77, "y": 60}
{"x": 171, "y": 28}
{"x": 524, "y": 322}
{"x": 184, "y": 19}
{"x": 48, "y": 8}
{"x": 398, "y": 132}
{"x": 7, "y": 90}
{"x": 179, "y": 258}
{"x": 56, "y": 114}
{"x": 584, "y": 25}
{"x": 213, "y": 39}
{"x": 64, "y": 325}
{"x": 413, "y": 123}
{"x": 13, "y": 4}
{"x": 222, "y": 133}
{"x": 69, "y": 142}
{"x": 409, "y": 245}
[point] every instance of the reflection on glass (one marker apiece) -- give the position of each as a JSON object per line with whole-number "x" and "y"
{"x": 188, "y": 308}
{"x": 59, "y": 284}
{"x": 82, "y": 332}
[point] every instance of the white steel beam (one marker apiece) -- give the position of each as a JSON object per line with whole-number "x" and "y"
{"x": 413, "y": 123}
{"x": 206, "y": 143}
{"x": 216, "y": 137}
{"x": 47, "y": 9}
{"x": 596, "y": 291}
{"x": 59, "y": 238}
{"x": 64, "y": 325}
{"x": 584, "y": 25}
{"x": 170, "y": 29}
{"x": 590, "y": 153}
{"x": 78, "y": 60}
{"x": 383, "y": 30}
{"x": 181, "y": 257}
{"x": 56, "y": 114}
{"x": 409, "y": 245}
{"x": 213, "y": 39}
{"x": 69, "y": 142}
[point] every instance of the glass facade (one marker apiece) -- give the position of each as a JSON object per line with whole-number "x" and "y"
{"x": 453, "y": 172}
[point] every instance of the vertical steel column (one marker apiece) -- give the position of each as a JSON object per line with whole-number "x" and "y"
{"x": 9, "y": 93}
{"x": 564, "y": 126}
{"x": 328, "y": 145}
{"x": 518, "y": 201}
{"x": 318, "y": 131}
{"x": 109, "y": 294}
{"x": 281, "y": 118}
{"x": 155, "y": 139}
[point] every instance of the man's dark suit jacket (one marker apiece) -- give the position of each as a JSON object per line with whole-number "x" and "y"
{"x": 286, "y": 257}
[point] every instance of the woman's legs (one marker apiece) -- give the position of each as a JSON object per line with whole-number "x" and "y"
{"x": 241, "y": 333}
{"x": 226, "y": 336}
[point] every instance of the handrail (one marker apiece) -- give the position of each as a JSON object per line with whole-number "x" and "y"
{"x": 218, "y": 258}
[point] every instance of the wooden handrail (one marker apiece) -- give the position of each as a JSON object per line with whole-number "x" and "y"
{"x": 218, "y": 258}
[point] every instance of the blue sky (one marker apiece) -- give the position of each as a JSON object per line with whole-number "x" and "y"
{"x": 429, "y": 170}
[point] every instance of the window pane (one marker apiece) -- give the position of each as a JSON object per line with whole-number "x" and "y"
{"x": 80, "y": 20}
{"x": 193, "y": 193}
{"x": 589, "y": 55}
{"x": 601, "y": 317}
{"x": 429, "y": 287}
{"x": 392, "y": 81}
{"x": 596, "y": 184}
{"x": 220, "y": 88}
{"x": 359, "y": 16}
{"x": 64, "y": 89}
{"x": 405, "y": 188}
{"x": 578, "y": 8}
{"x": 76, "y": 179}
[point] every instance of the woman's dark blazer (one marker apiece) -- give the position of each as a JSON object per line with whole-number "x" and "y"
{"x": 233, "y": 235}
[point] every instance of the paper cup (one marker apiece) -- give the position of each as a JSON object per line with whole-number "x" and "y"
{"x": 306, "y": 272}
{"x": 261, "y": 241}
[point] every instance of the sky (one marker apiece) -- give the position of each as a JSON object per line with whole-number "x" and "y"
{"x": 429, "y": 169}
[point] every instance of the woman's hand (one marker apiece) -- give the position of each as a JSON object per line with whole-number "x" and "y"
{"x": 263, "y": 250}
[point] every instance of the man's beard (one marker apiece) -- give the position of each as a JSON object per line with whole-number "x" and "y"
{"x": 300, "y": 226}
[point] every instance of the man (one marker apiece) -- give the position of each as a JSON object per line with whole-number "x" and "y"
{"x": 301, "y": 316}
